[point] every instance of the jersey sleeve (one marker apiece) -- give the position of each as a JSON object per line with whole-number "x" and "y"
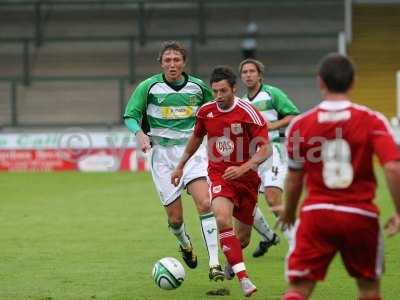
{"x": 293, "y": 146}
{"x": 259, "y": 134}
{"x": 137, "y": 103}
{"x": 207, "y": 93}
{"x": 199, "y": 128}
{"x": 383, "y": 141}
{"x": 258, "y": 130}
{"x": 282, "y": 103}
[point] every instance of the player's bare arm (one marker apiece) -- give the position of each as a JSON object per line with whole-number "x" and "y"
{"x": 293, "y": 189}
{"x": 191, "y": 147}
{"x": 143, "y": 140}
{"x": 280, "y": 123}
{"x": 262, "y": 154}
{"x": 392, "y": 173}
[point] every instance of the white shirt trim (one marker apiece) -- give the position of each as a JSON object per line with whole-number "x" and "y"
{"x": 334, "y": 104}
{"x": 347, "y": 209}
{"x": 236, "y": 99}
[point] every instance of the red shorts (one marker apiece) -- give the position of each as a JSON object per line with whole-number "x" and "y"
{"x": 243, "y": 194}
{"x": 321, "y": 233}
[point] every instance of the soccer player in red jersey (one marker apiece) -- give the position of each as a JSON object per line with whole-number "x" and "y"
{"x": 330, "y": 148}
{"x": 237, "y": 141}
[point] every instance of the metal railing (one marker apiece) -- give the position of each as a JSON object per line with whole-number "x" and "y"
{"x": 40, "y": 10}
{"x": 121, "y": 81}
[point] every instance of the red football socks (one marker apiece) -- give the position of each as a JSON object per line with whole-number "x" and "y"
{"x": 230, "y": 245}
{"x": 293, "y": 296}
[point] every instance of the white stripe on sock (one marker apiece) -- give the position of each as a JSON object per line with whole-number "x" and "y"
{"x": 239, "y": 267}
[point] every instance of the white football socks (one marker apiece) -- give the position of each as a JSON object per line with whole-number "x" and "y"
{"x": 261, "y": 225}
{"x": 181, "y": 235}
{"x": 210, "y": 236}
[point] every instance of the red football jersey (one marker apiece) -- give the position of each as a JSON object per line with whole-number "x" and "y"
{"x": 233, "y": 135}
{"x": 334, "y": 143}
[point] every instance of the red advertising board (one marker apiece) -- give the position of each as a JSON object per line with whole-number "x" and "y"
{"x": 86, "y": 160}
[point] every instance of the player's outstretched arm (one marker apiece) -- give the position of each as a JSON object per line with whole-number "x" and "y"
{"x": 280, "y": 123}
{"x": 191, "y": 147}
{"x": 293, "y": 189}
{"x": 392, "y": 173}
{"x": 142, "y": 139}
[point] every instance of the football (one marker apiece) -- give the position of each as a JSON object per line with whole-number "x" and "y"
{"x": 168, "y": 273}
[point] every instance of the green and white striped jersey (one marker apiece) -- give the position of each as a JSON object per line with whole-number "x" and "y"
{"x": 274, "y": 105}
{"x": 170, "y": 110}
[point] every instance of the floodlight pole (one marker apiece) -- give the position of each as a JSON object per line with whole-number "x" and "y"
{"x": 348, "y": 20}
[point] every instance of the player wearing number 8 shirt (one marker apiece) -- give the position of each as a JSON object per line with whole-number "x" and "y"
{"x": 331, "y": 147}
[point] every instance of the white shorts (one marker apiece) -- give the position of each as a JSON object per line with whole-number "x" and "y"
{"x": 273, "y": 171}
{"x": 163, "y": 161}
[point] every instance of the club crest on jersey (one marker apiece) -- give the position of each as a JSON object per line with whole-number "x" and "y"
{"x": 192, "y": 100}
{"x": 224, "y": 145}
{"x": 216, "y": 189}
{"x": 236, "y": 128}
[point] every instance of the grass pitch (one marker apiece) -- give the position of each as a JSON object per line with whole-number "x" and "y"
{"x": 96, "y": 236}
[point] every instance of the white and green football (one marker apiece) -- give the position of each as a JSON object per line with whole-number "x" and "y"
{"x": 168, "y": 273}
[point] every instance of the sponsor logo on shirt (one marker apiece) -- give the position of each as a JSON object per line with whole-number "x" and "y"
{"x": 210, "y": 115}
{"x": 177, "y": 112}
{"x": 224, "y": 145}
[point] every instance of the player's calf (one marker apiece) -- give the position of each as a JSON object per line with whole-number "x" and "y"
{"x": 293, "y": 296}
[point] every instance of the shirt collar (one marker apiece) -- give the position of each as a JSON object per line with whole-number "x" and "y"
{"x": 235, "y": 101}
{"x": 334, "y": 104}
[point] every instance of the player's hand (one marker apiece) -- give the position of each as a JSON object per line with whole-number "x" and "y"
{"x": 176, "y": 176}
{"x": 285, "y": 219}
{"x": 277, "y": 209}
{"x": 392, "y": 225}
{"x": 233, "y": 173}
{"x": 144, "y": 141}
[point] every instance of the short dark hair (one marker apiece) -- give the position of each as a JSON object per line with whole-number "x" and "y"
{"x": 172, "y": 45}
{"x": 337, "y": 72}
{"x": 223, "y": 73}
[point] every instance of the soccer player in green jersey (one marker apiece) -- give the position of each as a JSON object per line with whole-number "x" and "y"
{"x": 278, "y": 110}
{"x": 169, "y": 101}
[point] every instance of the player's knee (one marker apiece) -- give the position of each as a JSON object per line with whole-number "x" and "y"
{"x": 290, "y": 295}
{"x": 222, "y": 221}
{"x": 204, "y": 205}
{"x": 273, "y": 196}
{"x": 368, "y": 289}
{"x": 244, "y": 241}
{"x": 175, "y": 220}
{"x": 175, "y": 225}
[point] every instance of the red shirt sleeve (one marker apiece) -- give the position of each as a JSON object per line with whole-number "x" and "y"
{"x": 259, "y": 131}
{"x": 199, "y": 128}
{"x": 258, "y": 134}
{"x": 383, "y": 141}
